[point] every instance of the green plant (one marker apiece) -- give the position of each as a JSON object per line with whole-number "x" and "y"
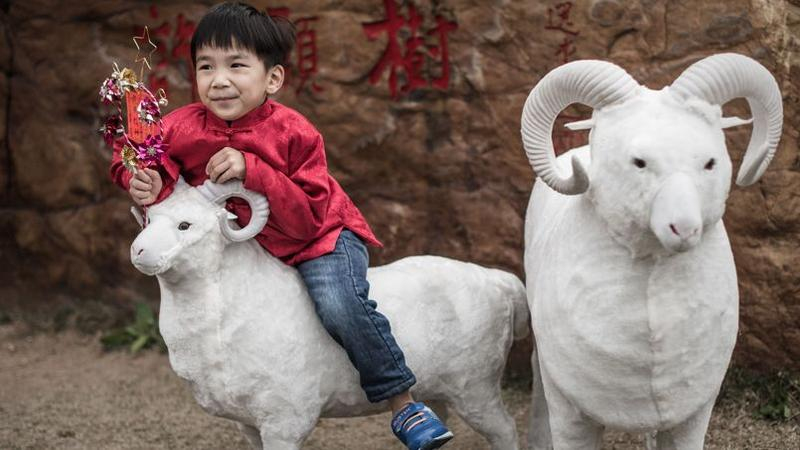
{"x": 142, "y": 333}
{"x": 781, "y": 398}
{"x": 776, "y": 395}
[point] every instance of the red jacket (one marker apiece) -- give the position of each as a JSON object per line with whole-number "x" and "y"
{"x": 284, "y": 160}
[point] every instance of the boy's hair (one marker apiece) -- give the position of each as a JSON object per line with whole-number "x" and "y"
{"x": 234, "y": 23}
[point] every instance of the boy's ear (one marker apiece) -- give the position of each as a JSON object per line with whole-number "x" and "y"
{"x": 275, "y": 78}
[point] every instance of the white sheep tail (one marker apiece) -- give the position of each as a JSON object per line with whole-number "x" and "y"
{"x": 519, "y": 301}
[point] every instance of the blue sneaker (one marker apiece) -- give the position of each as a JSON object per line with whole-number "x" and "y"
{"x": 419, "y": 428}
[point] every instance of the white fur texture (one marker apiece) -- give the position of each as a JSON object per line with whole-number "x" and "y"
{"x": 632, "y": 285}
{"x": 242, "y": 331}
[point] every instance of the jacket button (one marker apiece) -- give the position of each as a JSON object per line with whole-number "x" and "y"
{"x": 229, "y": 132}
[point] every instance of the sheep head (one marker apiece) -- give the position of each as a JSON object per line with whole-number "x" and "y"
{"x": 189, "y": 229}
{"x": 659, "y": 166}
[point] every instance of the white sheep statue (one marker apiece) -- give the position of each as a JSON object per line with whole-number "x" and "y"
{"x": 242, "y": 330}
{"x": 630, "y": 276}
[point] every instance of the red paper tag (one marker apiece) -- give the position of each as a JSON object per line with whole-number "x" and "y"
{"x": 137, "y": 129}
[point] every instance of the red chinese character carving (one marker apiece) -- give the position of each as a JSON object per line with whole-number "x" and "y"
{"x": 440, "y": 51}
{"x": 173, "y": 41}
{"x": 562, "y": 11}
{"x": 566, "y": 49}
{"x": 392, "y": 57}
{"x": 306, "y": 52}
{"x": 306, "y": 43}
{"x": 558, "y": 19}
{"x": 414, "y": 58}
{"x": 410, "y": 58}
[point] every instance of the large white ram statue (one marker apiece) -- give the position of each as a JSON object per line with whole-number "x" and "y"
{"x": 630, "y": 276}
{"x": 242, "y": 331}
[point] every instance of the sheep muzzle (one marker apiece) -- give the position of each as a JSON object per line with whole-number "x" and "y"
{"x": 675, "y": 216}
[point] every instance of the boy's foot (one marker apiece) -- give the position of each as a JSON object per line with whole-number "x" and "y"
{"x": 419, "y": 428}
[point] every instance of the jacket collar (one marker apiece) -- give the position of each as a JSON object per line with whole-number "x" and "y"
{"x": 245, "y": 122}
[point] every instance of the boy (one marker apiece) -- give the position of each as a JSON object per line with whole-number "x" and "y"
{"x": 238, "y": 132}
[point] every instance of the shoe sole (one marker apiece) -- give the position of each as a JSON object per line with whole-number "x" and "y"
{"x": 438, "y": 441}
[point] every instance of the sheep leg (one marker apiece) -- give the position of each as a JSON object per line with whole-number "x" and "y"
{"x": 569, "y": 427}
{"x": 273, "y": 443}
{"x": 650, "y": 442}
{"x": 539, "y": 422}
{"x": 690, "y": 434}
{"x": 252, "y": 435}
{"x": 486, "y": 414}
{"x": 287, "y": 433}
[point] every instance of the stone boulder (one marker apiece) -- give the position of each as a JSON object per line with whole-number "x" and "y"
{"x": 435, "y": 169}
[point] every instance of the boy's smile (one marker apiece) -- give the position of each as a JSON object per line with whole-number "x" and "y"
{"x": 234, "y": 81}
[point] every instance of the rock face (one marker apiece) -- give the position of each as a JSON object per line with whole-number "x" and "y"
{"x": 432, "y": 155}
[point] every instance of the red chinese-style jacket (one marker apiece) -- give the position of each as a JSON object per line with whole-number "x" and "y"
{"x": 284, "y": 160}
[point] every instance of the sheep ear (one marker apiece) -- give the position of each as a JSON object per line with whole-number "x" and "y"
{"x": 728, "y": 122}
{"x": 224, "y": 217}
{"x": 138, "y": 216}
{"x": 580, "y": 125}
{"x": 228, "y": 215}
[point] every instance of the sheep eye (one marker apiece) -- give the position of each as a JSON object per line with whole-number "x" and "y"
{"x": 184, "y": 226}
{"x": 710, "y": 164}
{"x": 640, "y": 163}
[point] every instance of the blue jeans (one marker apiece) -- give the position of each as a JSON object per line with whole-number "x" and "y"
{"x": 337, "y": 283}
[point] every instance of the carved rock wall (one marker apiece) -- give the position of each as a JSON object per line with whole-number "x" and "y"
{"x": 5, "y": 68}
{"x": 434, "y": 171}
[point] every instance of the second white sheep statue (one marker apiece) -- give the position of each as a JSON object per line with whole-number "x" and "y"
{"x": 631, "y": 280}
{"x": 242, "y": 331}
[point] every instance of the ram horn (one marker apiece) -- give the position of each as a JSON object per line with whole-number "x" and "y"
{"x": 720, "y": 78}
{"x": 593, "y": 83}
{"x": 259, "y": 207}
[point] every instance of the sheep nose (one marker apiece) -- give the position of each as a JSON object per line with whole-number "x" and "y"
{"x": 683, "y": 235}
{"x": 136, "y": 251}
{"x": 674, "y": 230}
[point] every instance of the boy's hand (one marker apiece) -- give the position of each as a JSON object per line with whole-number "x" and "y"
{"x": 225, "y": 165}
{"x": 145, "y": 186}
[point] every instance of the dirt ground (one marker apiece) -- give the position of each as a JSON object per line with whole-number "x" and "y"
{"x": 61, "y": 391}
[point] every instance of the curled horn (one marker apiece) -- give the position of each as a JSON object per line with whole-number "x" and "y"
{"x": 594, "y": 83}
{"x": 720, "y": 78}
{"x": 218, "y": 193}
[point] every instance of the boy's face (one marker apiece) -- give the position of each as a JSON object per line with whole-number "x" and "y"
{"x": 232, "y": 82}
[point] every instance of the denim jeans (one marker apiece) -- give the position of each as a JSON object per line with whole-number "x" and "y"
{"x": 337, "y": 283}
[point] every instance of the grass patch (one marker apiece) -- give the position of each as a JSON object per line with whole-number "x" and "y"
{"x": 774, "y": 397}
{"x": 141, "y": 334}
